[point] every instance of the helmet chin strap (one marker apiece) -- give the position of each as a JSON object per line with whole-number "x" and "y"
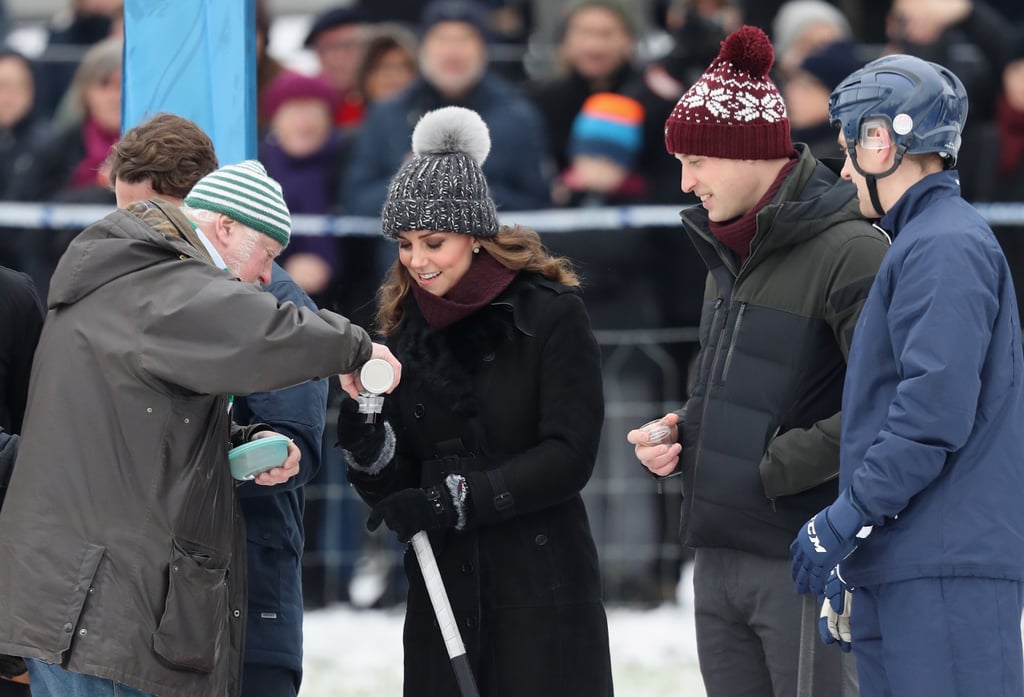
{"x": 872, "y": 178}
{"x": 872, "y": 182}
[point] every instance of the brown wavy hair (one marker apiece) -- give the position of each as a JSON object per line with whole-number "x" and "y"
{"x": 515, "y": 247}
{"x": 169, "y": 151}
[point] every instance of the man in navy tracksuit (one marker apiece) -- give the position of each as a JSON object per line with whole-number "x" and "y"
{"x": 928, "y": 527}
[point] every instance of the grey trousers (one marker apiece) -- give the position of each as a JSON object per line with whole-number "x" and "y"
{"x": 749, "y": 623}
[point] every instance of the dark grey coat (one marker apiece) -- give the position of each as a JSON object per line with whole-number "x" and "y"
{"x": 123, "y": 543}
{"x": 512, "y": 398}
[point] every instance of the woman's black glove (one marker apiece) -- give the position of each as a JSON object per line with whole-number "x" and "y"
{"x": 363, "y": 440}
{"x": 410, "y": 510}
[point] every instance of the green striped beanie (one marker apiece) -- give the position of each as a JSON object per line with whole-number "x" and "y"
{"x": 246, "y": 194}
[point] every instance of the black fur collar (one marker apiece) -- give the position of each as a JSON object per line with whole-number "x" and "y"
{"x": 446, "y": 361}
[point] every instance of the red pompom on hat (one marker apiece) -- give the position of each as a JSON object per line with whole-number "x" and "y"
{"x": 734, "y": 110}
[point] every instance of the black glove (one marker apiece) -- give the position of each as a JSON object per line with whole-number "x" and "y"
{"x": 12, "y": 666}
{"x": 363, "y": 440}
{"x": 410, "y": 510}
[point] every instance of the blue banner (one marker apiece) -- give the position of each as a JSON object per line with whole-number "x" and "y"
{"x": 196, "y": 59}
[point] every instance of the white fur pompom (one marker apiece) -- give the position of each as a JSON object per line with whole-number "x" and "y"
{"x": 452, "y": 129}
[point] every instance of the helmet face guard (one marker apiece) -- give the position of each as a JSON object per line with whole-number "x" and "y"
{"x": 923, "y": 103}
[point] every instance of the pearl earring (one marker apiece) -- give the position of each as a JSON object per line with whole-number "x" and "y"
{"x": 476, "y": 250}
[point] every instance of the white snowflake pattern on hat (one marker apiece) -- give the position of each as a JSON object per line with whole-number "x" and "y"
{"x": 733, "y": 100}
{"x": 734, "y": 110}
{"x": 769, "y": 107}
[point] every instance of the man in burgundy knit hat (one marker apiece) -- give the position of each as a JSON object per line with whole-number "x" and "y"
{"x": 790, "y": 260}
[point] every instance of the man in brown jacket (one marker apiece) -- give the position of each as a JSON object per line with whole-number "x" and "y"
{"x": 125, "y": 548}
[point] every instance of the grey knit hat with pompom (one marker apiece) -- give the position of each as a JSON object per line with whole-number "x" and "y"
{"x": 442, "y": 187}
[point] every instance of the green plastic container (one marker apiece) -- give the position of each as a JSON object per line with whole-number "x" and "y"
{"x": 250, "y": 459}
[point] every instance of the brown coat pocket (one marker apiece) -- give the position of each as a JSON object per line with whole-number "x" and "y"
{"x": 194, "y": 621}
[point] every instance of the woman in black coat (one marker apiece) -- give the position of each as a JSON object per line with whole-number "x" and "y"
{"x": 490, "y": 436}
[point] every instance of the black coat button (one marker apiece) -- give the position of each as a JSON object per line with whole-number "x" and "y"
{"x": 466, "y": 568}
{"x": 418, "y": 411}
{"x": 541, "y": 540}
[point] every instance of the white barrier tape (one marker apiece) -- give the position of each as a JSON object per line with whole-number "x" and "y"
{"x": 52, "y": 216}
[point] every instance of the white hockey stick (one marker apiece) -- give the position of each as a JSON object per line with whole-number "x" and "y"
{"x": 445, "y": 616}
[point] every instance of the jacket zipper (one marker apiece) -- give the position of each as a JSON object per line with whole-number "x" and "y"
{"x": 718, "y": 354}
{"x": 732, "y": 341}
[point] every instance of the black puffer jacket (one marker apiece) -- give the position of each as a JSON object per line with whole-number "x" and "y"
{"x": 761, "y": 428}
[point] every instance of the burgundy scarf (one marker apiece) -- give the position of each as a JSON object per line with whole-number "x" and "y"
{"x": 97, "y": 147}
{"x": 738, "y": 233}
{"x": 484, "y": 280}
{"x": 1011, "y": 136}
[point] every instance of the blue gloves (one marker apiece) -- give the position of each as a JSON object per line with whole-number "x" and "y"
{"x": 825, "y": 540}
{"x": 834, "y": 624}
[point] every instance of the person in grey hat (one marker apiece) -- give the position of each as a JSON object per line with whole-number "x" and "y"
{"x": 124, "y": 539}
{"x": 488, "y": 447}
{"x": 802, "y": 26}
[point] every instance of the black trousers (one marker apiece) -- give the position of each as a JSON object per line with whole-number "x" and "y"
{"x": 13, "y": 689}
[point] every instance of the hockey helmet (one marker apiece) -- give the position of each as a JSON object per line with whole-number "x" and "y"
{"x": 923, "y": 105}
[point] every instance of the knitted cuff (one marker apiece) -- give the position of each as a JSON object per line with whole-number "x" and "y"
{"x": 387, "y": 453}
{"x": 458, "y": 488}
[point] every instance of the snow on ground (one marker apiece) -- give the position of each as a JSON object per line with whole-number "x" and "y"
{"x": 358, "y": 653}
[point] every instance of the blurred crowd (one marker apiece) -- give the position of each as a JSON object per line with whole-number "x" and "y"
{"x": 581, "y": 127}
{"x": 575, "y": 106}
